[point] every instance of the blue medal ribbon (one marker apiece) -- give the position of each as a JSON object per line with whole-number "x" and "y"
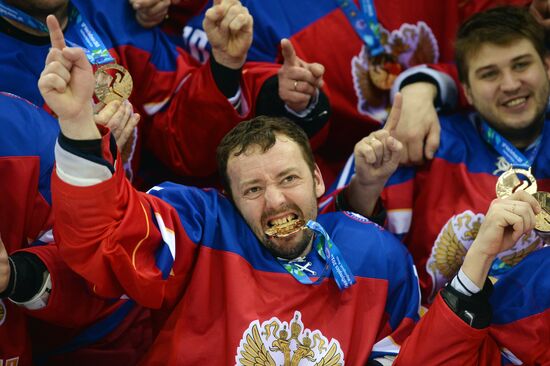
{"x": 95, "y": 49}
{"x": 335, "y": 262}
{"x": 365, "y": 23}
{"x": 499, "y": 267}
{"x": 21, "y": 17}
{"x": 505, "y": 148}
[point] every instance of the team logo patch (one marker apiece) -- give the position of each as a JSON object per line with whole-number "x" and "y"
{"x": 2, "y": 312}
{"x": 454, "y": 240}
{"x": 278, "y": 343}
{"x": 411, "y": 45}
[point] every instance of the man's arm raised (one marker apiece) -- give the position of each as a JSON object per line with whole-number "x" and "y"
{"x": 228, "y": 26}
{"x": 67, "y": 85}
{"x": 376, "y": 158}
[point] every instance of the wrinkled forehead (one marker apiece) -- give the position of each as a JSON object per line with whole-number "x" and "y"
{"x": 254, "y": 161}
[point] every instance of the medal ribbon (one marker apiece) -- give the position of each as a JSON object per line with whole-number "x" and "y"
{"x": 335, "y": 263}
{"x": 95, "y": 49}
{"x": 509, "y": 151}
{"x": 365, "y": 23}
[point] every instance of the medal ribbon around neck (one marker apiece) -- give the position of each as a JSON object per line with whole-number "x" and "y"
{"x": 335, "y": 263}
{"x": 509, "y": 151}
{"x": 365, "y": 23}
{"x": 95, "y": 49}
{"x": 509, "y": 181}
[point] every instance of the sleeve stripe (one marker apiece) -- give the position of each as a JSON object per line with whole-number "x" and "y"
{"x": 142, "y": 240}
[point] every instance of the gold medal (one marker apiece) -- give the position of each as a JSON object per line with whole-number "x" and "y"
{"x": 383, "y": 70}
{"x": 542, "y": 222}
{"x": 514, "y": 180}
{"x": 286, "y": 229}
{"x": 112, "y": 82}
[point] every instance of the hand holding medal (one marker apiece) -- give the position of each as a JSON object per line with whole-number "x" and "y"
{"x": 515, "y": 179}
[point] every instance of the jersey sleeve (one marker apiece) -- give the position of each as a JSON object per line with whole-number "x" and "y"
{"x": 120, "y": 240}
{"x": 403, "y": 298}
{"x": 71, "y": 303}
{"x": 442, "y": 338}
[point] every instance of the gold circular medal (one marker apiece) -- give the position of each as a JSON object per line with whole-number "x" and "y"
{"x": 112, "y": 82}
{"x": 514, "y": 180}
{"x": 542, "y": 222}
{"x": 383, "y": 70}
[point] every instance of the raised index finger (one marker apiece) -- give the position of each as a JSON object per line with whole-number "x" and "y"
{"x": 56, "y": 34}
{"x": 287, "y": 50}
{"x": 395, "y": 113}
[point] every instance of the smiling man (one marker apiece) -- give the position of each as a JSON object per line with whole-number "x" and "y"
{"x": 502, "y": 146}
{"x": 485, "y": 156}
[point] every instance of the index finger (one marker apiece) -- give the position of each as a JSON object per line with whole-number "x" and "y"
{"x": 395, "y": 113}
{"x": 289, "y": 55}
{"x": 56, "y": 34}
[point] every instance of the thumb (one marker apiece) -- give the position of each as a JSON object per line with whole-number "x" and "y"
{"x": 288, "y": 52}
{"x": 317, "y": 69}
{"x": 395, "y": 113}
{"x": 432, "y": 141}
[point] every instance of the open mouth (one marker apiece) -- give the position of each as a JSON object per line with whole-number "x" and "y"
{"x": 515, "y": 102}
{"x": 285, "y": 226}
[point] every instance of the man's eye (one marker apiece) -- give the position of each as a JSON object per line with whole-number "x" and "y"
{"x": 290, "y": 178}
{"x": 252, "y": 191}
{"x": 488, "y": 75}
{"x": 521, "y": 65}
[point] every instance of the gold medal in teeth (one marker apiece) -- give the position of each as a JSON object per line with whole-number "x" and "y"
{"x": 286, "y": 229}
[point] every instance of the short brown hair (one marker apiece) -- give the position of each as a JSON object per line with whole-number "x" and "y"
{"x": 260, "y": 131}
{"x": 501, "y": 26}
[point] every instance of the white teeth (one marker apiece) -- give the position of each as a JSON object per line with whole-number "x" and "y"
{"x": 282, "y": 220}
{"x": 516, "y": 102}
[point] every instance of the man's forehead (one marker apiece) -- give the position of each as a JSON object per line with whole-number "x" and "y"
{"x": 489, "y": 53}
{"x": 284, "y": 154}
{"x": 282, "y": 143}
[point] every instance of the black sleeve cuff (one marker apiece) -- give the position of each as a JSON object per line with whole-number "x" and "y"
{"x": 27, "y": 277}
{"x": 89, "y": 149}
{"x": 474, "y": 309}
{"x": 227, "y": 80}
{"x": 270, "y": 104}
{"x": 421, "y": 77}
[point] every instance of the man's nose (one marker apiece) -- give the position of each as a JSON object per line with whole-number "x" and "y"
{"x": 274, "y": 197}
{"x": 510, "y": 82}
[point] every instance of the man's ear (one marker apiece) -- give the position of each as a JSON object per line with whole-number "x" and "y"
{"x": 467, "y": 93}
{"x": 318, "y": 182}
{"x": 546, "y": 60}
